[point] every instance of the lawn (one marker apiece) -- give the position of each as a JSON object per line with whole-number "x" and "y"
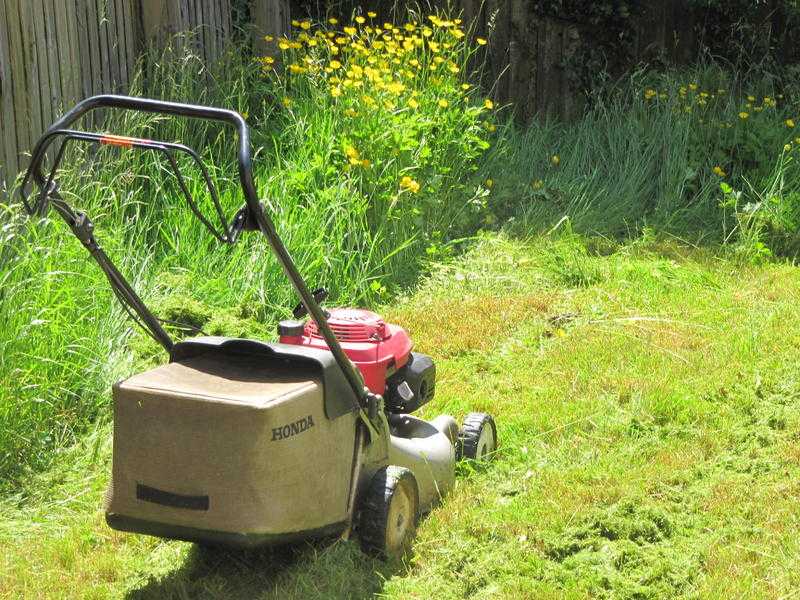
{"x": 646, "y": 396}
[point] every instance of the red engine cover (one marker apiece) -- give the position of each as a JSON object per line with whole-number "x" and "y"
{"x": 373, "y": 345}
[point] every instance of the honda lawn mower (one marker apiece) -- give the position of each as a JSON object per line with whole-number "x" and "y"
{"x": 244, "y": 443}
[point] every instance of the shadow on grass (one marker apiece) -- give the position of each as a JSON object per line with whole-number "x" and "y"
{"x": 312, "y": 570}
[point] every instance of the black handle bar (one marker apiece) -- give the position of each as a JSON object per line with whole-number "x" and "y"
{"x": 83, "y": 228}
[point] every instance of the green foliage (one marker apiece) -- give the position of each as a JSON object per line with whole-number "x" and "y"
{"x": 653, "y": 151}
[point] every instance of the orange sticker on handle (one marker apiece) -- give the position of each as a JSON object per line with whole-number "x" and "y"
{"x": 117, "y": 140}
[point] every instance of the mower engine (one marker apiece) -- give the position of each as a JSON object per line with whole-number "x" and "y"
{"x": 380, "y": 350}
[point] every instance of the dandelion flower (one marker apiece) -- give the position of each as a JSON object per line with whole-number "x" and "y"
{"x": 287, "y": 102}
{"x": 351, "y": 31}
{"x": 336, "y": 92}
{"x": 719, "y": 171}
{"x": 335, "y": 64}
{"x": 268, "y": 38}
{"x": 465, "y": 86}
{"x": 649, "y": 94}
{"x": 488, "y": 104}
{"x": 538, "y": 184}
{"x": 372, "y": 15}
{"x": 305, "y": 25}
{"x": 744, "y": 116}
{"x": 693, "y": 87}
{"x": 481, "y": 41}
{"x": 555, "y": 159}
{"x": 443, "y": 103}
{"x": 360, "y": 20}
{"x": 413, "y": 103}
{"x": 790, "y": 123}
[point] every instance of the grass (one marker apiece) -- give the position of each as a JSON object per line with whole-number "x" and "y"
{"x": 646, "y": 396}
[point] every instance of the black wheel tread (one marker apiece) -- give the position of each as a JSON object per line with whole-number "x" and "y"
{"x": 375, "y": 508}
{"x": 470, "y": 434}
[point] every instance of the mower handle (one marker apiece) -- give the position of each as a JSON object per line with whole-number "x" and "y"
{"x": 152, "y": 106}
{"x": 256, "y": 215}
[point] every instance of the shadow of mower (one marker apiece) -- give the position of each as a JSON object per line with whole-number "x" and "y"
{"x": 327, "y": 569}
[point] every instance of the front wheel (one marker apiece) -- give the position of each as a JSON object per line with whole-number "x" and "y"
{"x": 477, "y": 438}
{"x": 389, "y": 513}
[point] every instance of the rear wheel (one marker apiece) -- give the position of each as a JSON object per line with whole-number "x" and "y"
{"x": 389, "y": 513}
{"x": 477, "y": 438}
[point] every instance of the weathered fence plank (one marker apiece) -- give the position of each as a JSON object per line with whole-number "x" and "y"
{"x": 269, "y": 17}
{"x": 8, "y": 126}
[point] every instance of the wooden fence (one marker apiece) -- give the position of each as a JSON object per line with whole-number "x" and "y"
{"x": 56, "y": 52}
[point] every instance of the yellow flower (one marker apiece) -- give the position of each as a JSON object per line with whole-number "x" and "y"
{"x": 413, "y": 104}
{"x": 284, "y": 45}
{"x": 408, "y": 184}
{"x": 720, "y": 171}
{"x": 555, "y": 159}
{"x": 287, "y": 102}
{"x": 360, "y": 20}
{"x": 335, "y": 64}
{"x": 538, "y": 184}
{"x": 489, "y": 183}
{"x": 365, "y": 163}
{"x": 295, "y": 68}
{"x": 336, "y": 92}
{"x": 457, "y": 33}
{"x": 491, "y": 128}
{"x": 744, "y": 116}
{"x": 443, "y": 103}
{"x": 797, "y": 140}
{"x": 787, "y": 148}
{"x": 790, "y": 123}
{"x": 649, "y": 94}
{"x": 488, "y": 104}
{"x": 465, "y": 86}
{"x": 333, "y": 21}
{"x": 351, "y": 31}
{"x": 372, "y": 15}
{"x": 267, "y": 60}
{"x": 350, "y": 112}
{"x": 481, "y": 41}
{"x": 295, "y": 23}
{"x": 693, "y": 87}
{"x": 751, "y": 98}
{"x": 305, "y": 25}
{"x": 268, "y": 38}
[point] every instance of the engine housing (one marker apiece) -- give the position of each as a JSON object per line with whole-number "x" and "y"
{"x": 380, "y": 350}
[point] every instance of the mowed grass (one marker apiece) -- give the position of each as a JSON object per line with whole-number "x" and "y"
{"x": 647, "y": 402}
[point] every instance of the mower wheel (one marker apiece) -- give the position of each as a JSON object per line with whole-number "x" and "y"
{"x": 477, "y": 438}
{"x": 389, "y": 513}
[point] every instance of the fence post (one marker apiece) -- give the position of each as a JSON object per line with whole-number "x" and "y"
{"x": 269, "y": 17}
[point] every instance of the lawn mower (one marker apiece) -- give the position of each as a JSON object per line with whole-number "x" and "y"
{"x": 245, "y": 443}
